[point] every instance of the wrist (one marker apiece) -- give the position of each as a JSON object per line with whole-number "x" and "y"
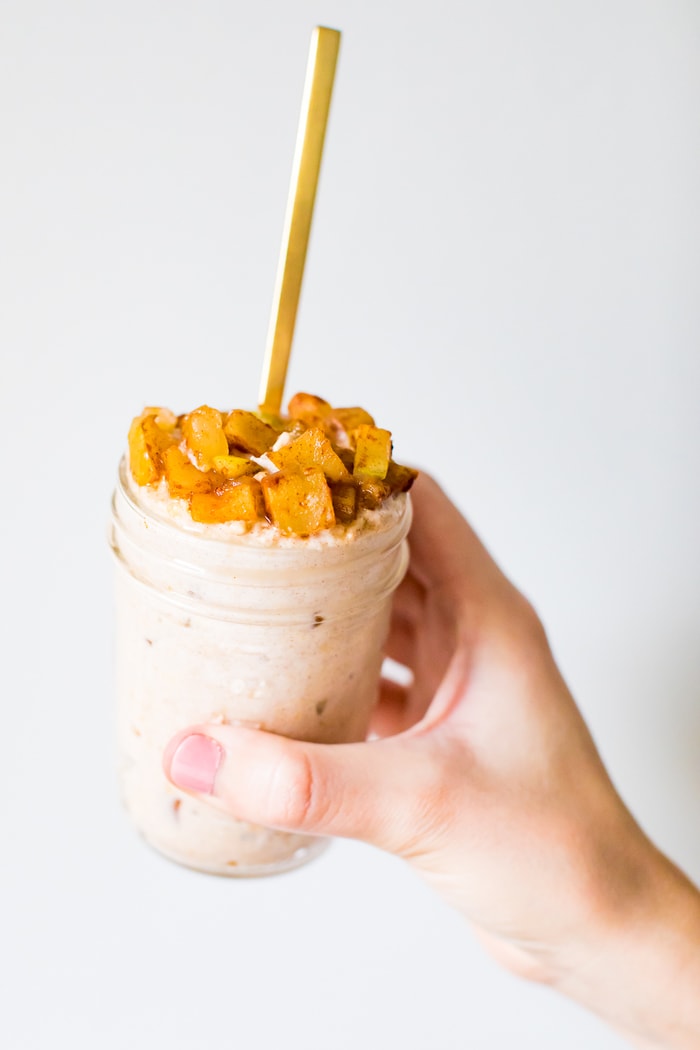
{"x": 637, "y": 963}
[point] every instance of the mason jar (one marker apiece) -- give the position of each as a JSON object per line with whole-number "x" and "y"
{"x": 281, "y": 633}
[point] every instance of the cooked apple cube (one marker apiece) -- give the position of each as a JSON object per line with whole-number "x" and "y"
{"x": 310, "y": 449}
{"x": 246, "y": 432}
{"x": 204, "y": 435}
{"x": 398, "y": 478}
{"x": 348, "y": 457}
{"x": 340, "y": 423}
{"x": 372, "y": 492}
{"x": 330, "y": 463}
{"x": 299, "y": 503}
{"x": 372, "y": 451}
{"x": 234, "y": 466}
{"x": 165, "y": 419}
{"x": 147, "y": 443}
{"x": 239, "y": 500}
{"x": 145, "y": 470}
{"x": 345, "y": 499}
{"x": 157, "y": 439}
{"x": 183, "y": 478}
{"x": 309, "y": 408}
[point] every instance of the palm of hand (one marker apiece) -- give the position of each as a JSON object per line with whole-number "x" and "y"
{"x": 498, "y": 752}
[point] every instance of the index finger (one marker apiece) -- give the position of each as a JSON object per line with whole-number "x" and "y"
{"x": 446, "y": 552}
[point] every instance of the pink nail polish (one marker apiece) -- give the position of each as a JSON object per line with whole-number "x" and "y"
{"x": 194, "y": 763}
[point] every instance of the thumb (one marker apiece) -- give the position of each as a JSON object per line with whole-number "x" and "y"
{"x": 379, "y": 791}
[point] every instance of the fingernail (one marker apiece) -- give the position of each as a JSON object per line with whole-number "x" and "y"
{"x": 194, "y": 763}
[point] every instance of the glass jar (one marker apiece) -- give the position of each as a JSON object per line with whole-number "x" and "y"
{"x": 215, "y": 626}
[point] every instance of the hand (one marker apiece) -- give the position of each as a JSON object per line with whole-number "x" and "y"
{"x": 484, "y": 777}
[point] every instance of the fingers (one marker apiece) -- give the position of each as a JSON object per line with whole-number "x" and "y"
{"x": 445, "y": 550}
{"x": 390, "y": 715}
{"x": 401, "y": 642}
{"x": 409, "y": 599}
{"x": 363, "y": 791}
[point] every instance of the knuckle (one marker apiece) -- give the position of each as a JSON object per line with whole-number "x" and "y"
{"x": 521, "y": 630}
{"x": 531, "y": 626}
{"x": 293, "y": 792}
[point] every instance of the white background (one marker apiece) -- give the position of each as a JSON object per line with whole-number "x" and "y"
{"x": 504, "y": 269}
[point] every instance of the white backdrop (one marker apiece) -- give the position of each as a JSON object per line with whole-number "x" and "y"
{"x": 504, "y": 269}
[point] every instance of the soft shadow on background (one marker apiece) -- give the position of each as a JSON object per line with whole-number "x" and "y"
{"x": 503, "y": 269}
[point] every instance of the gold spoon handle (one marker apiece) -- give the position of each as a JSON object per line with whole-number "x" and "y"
{"x": 316, "y": 101}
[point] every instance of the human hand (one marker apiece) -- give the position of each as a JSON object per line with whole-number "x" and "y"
{"x": 484, "y": 777}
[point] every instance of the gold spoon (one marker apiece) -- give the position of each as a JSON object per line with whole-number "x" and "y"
{"x": 318, "y": 87}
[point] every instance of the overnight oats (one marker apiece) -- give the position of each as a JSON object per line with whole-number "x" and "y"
{"x": 257, "y": 557}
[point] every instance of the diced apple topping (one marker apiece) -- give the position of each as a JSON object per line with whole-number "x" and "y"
{"x": 239, "y": 500}
{"x": 308, "y": 408}
{"x": 204, "y": 436}
{"x": 372, "y": 492}
{"x": 143, "y": 469}
{"x": 317, "y": 467}
{"x": 299, "y": 503}
{"x": 183, "y": 478}
{"x": 310, "y": 449}
{"x": 147, "y": 443}
{"x": 372, "y": 452}
{"x": 249, "y": 433}
{"x": 344, "y": 496}
{"x": 399, "y": 478}
{"x": 165, "y": 419}
{"x": 235, "y": 466}
{"x": 340, "y": 423}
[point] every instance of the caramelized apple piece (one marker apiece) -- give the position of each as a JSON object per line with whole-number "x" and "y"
{"x": 340, "y": 459}
{"x": 144, "y": 469}
{"x": 235, "y": 466}
{"x": 165, "y": 419}
{"x": 372, "y": 452}
{"x": 204, "y": 435}
{"x": 400, "y": 479}
{"x": 147, "y": 443}
{"x": 309, "y": 408}
{"x": 340, "y": 423}
{"x": 310, "y": 449}
{"x": 299, "y": 503}
{"x": 246, "y": 432}
{"x": 157, "y": 439}
{"x": 347, "y": 455}
{"x": 239, "y": 500}
{"x": 345, "y": 500}
{"x": 372, "y": 492}
{"x": 294, "y": 427}
{"x": 183, "y": 477}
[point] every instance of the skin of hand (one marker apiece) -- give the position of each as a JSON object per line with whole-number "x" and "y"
{"x": 483, "y": 776}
